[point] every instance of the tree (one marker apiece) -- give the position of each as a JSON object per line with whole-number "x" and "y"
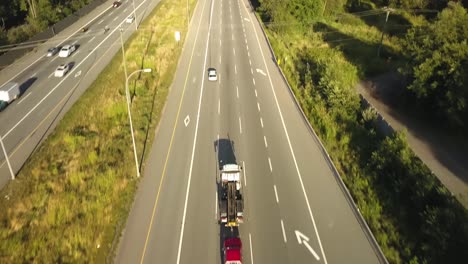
{"x": 438, "y": 66}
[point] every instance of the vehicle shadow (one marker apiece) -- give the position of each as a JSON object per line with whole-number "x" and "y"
{"x": 25, "y": 86}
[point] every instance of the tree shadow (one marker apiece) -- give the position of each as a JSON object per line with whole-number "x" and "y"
{"x": 363, "y": 55}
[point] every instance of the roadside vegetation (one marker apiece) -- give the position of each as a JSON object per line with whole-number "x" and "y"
{"x": 22, "y": 19}
{"x": 70, "y": 201}
{"x": 324, "y": 48}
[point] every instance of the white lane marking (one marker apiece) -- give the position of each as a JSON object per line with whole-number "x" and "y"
{"x": 256, "y": 95}
{"x": 246, "y": 19}
{"x": 248, "y": 49}
{"x": 265, "y": 140}
{"x": 219, "y": 106}
{"x": 261, "y": 121}
{"x": 74, "y": 53}
{"x": 276, "y": 194}
{"x": 251, "y": 249}
{"x": 115, "y": 18}
{"x": 258, "y": 106}
{"x": 50, "y": 75}
{"x": 195, "y": 138}
{"x": 24, "y": 97}
{"x": 261, "y": 72}
{"x": 240, "y": 125}
{"x": 253, "y": 80}
{"x": 250, "y": 62}
{"x": 289, "y": 142}
{"x": 220, "y": 42}
{"x": 269, "y": 163}
{"x": 232, "y": 37}
{"x": 91, "y": 39}
{"x": 216, "y": 204}
{"x": 194, "y": 79}
{"x": 57, "y": 46}
{"x": 33, "y": 75}
{"x": 110, "y": 14}
{"x": 102, "y": 20}
{"x": 251, "y": 70}
{"x": 220, "y": 59}
{"x": 56, "y": 57}
{"x": 235, "y": 68}
{"x": 234, "y": 50}
{"x": 74, "y": 42}
{"x": 186, "y": 120}
{"x": 245, "y": 177}
{"x": 237, "y": 91}
{"x": 284, "y": 233}
{"x": 302, "y": 239}
{"x": 245, "y": 41}
{"x": 248, "y": 53}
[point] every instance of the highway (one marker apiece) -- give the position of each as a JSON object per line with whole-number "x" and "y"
{"x": 295, "y": 210}
{"x": 45, "y": 98}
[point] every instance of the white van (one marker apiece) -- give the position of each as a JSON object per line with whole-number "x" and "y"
{"x": 8, "y": 93}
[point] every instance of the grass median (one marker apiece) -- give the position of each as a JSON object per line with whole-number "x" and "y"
{"x": 72, "y": 197}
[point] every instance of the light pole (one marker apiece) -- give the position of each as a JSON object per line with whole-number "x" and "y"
{"x": 134, "y": 15}
{"x": 127, "y": 95}
{"x": 7, "y": 160}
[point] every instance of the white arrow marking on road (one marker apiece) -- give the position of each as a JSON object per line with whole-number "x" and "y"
{"x": 187, "y": 120}
{"x": 262, "y": 72}
{"x": 302, "y": 239}
{"x": 77, "y": 74}
{"x": 246, "y": 19}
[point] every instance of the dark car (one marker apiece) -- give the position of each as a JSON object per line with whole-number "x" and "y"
{"x": 116, "y": 4}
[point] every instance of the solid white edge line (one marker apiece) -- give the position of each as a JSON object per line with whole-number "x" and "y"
{"x": 251, "y": 249}
{"x": 194, "y": 142}
{"x": 289, "y": 143}
{"x": 276, "y": 194}
{"x": 284, "y": 232}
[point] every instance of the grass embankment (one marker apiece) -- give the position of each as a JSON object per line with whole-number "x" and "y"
{"x": 412, "y": 215}
{"x": 71, "y": 199}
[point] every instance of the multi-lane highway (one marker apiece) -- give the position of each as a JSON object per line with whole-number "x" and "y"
{"x": 295, "y": 210}
{"x": 45, "y": 98}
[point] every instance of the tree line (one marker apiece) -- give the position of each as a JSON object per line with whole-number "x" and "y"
{"x": 22, "y": 19}
{"x": 413, "y": 216}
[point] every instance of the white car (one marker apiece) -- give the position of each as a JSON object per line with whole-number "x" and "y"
{"x": 67, "y": 50}
{"x": 212, "y": 76}
{"x": 130, "y": 19}
{"x": 61, "y": 70}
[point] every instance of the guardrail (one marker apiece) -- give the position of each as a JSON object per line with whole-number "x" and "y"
{"x": 342, "y": 185}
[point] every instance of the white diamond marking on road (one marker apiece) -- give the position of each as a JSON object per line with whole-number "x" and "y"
{"x": 77, "y": 74}
{"x": 187, "y": 120}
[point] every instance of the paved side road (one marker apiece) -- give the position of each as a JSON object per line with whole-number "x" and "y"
{"x": 446, "y": 156}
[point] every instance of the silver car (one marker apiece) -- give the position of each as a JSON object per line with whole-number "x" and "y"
{"x": 52, "y": 51}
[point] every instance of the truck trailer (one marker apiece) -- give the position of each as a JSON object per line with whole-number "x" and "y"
{"x": 231, "y": 204}
{"x": 8, "y": 93}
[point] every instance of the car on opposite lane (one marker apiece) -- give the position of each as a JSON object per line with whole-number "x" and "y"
{"x": 52, "y": 51}
{"x": 67, "y": 50}
{"x": 61, "y": 70}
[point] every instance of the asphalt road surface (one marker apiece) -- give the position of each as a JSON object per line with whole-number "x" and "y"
{"x": 295, "y": 210}
{"x": 45, "y": 98}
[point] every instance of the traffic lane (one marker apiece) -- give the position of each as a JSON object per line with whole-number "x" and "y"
{"x": 168, "y": 216}
{"x": 340, "y": 216}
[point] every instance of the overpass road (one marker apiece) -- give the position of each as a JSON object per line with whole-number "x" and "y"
{"x": 45, "y": 98}
{"x": 295, "y": 210}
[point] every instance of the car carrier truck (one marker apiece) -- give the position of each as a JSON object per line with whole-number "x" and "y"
{"x": 231, "y": 204}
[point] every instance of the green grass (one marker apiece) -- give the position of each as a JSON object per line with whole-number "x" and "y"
{"x": 70, "y": 201}
{"x": 412, "y": 215}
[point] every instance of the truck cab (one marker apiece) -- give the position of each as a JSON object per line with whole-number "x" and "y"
{"x": 232, "y": 250}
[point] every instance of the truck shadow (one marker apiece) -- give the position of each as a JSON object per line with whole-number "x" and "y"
{"x": 25, "y": 86}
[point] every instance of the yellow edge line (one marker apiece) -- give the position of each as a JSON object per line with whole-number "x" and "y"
{"x": 170, "y": 144}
